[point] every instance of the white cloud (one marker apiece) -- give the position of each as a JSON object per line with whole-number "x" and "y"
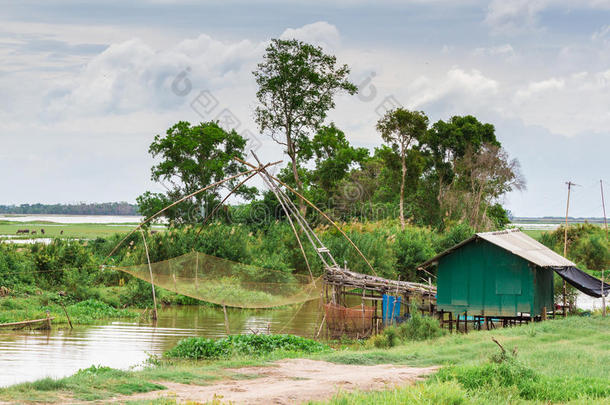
{"x": 518, "y": 16}
{"x": 320, "y": 33}
{"x": 514, "y": 16}
{"x": 569, "y": 105}
{"x": 505, "y": 50}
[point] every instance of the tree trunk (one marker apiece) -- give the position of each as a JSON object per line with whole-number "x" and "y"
{"x": 295, "y": 172}
{"x": 402, "y": 188}
{"x": 299, "y": 184}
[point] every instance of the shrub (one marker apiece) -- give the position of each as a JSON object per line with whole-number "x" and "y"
{"x": 251, "y": 345}
{"x": 419, "y": 327}
{"x": 529, "y": 384}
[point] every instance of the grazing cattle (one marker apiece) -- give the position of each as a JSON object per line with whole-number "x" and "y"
{"x": 42, "y": 231}
{"x": 33, "y": 233}
{"x": 153, "y": 232}
{"x": 61, "y": 232}
{"x": 22, "y": 231}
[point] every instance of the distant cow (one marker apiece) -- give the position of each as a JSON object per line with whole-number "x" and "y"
{"x": 61, "y": 232}
{"x": 42, "y": 231}
{"x": 22, "y": 231}
{"x": 33, "y": 233}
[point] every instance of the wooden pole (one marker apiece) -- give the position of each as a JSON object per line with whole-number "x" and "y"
{"x": 227, "y": 329}
{"x": 152, "y": 283}
{"x": 603, "y": 296}
{"x": 68, "y": 316}
{"x": 544, "y": 313}
{"x": 565, "y": 249}
{"x": 333, "y": 223}
{"x": 601, "y": 185}
{"x": 196, "y": 271}
{"x": 147, "y": 220}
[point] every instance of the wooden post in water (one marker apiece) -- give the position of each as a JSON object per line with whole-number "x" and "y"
{"x": 66, "y": 312}
{"x": 227, "y": 329}
{"x": 154, "y": 311}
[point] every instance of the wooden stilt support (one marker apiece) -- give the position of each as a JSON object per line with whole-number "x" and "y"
{"x": 544, "y": 313}
{"x": 450, "y": 322}
{"x": 465, "y": 322}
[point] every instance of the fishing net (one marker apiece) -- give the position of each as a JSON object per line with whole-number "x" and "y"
{"x": 349, "y": 321}
{"x": 224, "y": 282}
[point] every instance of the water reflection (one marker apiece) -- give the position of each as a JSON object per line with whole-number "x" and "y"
{"x": 30, "y": 355}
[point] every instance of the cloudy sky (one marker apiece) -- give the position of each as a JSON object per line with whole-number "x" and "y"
{"x": 84, "y": 86}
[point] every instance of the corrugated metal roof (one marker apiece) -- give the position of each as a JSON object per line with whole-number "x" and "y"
{"x": 526, "y": 247}
{"x": 517, "y": 243}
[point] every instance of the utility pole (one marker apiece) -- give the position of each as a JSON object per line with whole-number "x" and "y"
{"x": 601, "y": 186}
{"x": 565, "y": 248}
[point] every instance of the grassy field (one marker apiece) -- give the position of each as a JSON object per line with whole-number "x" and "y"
{"x": 53, "y": 230}
{"x": 557, "y": 361}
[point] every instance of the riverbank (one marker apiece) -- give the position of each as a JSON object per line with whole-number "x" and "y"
{"x": 556, "y": 361}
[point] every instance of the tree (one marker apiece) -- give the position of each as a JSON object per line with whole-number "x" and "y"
{"x": 334, "y": 157}
{"x": 193, "y": 157}
{"x": 481, "y": 179}
{"x": 297, "y": 83}
{"x": 402, "y": 129}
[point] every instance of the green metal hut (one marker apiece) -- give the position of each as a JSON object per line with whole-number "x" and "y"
{"x": 501, "y": 274}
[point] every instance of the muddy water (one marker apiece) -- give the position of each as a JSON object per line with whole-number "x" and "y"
{"x": 30, "y": 355}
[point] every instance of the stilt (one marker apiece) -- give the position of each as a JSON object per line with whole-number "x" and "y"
{"x": 450, "y": 322}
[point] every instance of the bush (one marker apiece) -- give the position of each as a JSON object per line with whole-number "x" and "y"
{"x": 529, "y": 384}
{"x": 250, "y": 345}
{"x": 419, "y": 327}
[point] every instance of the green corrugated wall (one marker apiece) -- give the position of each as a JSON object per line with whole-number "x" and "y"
{"x": 484, "y": 279}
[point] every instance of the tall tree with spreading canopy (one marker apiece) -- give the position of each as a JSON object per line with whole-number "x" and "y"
{"x": 403, "y": 129}
{"x": 297, "y": 83}
{"x": 193, "y": 157}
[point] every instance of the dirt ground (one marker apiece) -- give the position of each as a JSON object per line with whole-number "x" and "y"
{"x": 292, "y": 381}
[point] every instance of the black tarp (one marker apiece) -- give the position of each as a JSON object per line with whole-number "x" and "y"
{"x": 582, "y": 281}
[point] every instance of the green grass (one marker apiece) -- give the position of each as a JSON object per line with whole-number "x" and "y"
{"x": 564, "y": 360}
{"x": 53, "y": 230}
{"x": 557, "y": 361}
{"x": 16, "y": 309}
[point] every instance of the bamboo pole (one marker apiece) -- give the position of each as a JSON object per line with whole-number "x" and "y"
{"x": 312, "y": 205}
{"x": 25, "y": 323}
{"x": 137, "y": 228}
{"x": 152, "y": 283}
{"x": 66, "y": 312}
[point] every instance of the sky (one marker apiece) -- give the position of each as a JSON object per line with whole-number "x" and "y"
{"x": 85, "y": 86}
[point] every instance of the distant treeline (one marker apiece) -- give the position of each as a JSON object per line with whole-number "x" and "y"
{"x": 110, "y": 208}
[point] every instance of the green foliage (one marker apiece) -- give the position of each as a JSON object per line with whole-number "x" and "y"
{"x": 15, "y": 268}
{"x": 244, "y": 345}
{"x": 528, "y": 383}
{"x": 297, "y": 83}
{"x": 193, "y": 157}
{"x": 419, "y": 327}
{"x": 587, "y": 245}
{"x": 90, "y": 310}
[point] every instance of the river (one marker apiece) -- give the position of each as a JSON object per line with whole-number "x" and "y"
{"x": 30, "y": 355}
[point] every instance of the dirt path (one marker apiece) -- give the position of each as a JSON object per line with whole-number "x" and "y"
{"x": 291, "y": 382}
